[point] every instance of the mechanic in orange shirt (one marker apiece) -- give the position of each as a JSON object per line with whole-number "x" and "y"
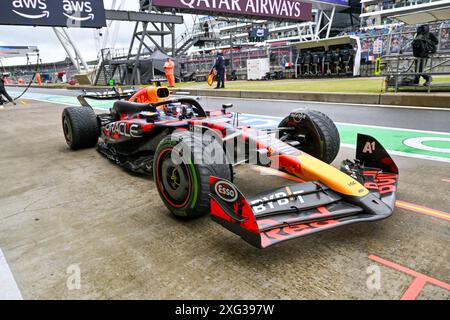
{"x": 38, "y": 79}
{"x": 169, "y": 67}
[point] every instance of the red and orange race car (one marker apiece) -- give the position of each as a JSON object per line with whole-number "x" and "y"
{"x": 191, "y": 154}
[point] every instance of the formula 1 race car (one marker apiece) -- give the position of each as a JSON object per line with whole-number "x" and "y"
{"x": 192, "y": 152}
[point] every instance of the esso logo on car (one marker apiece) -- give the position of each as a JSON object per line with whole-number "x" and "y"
{"x": 226, "y": 191}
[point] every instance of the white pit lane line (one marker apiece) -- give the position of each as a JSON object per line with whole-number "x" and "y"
{"x": 8, "y": 286}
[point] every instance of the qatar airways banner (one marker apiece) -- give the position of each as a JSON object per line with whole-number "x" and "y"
{"x": 275, "y": 9}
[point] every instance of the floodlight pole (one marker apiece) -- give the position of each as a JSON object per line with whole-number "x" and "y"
{"x": 77, "y": 51}
{"x": 66, "y": 47}
{"x": 328, "y": 20}
{"x": 71, "y": 49}
{"x": 111, "y": 35}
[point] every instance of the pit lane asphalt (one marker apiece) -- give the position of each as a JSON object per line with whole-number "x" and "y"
{"x": 60, "y": 209}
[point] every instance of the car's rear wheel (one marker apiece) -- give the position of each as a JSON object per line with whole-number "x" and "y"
{"x": 321, "y": 140}
{"x": 81, "y": 128}
{"x": 182, "y": 170}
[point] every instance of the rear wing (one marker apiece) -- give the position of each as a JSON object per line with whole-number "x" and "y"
{"x": 112, "y": 94}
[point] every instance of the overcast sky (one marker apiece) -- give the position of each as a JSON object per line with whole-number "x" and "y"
{"x": 51, "y": 50}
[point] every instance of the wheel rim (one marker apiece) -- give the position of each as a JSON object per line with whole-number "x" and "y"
{"x": 67, "y": 127}
{"x": 310, "y": 142}
{"x": 174, "y": 181}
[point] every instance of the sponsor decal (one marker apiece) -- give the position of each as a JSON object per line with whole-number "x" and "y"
{"x": 260, "y": 33}
{"x": 35, "y": 5}
{"x": 273, "y": 236}
{"x": 370, "y": 147}
{"x": 298, "y": 116}
{"x": 383, "y": 182}
{"x": 226, "y": 191}
{"x": 278, "y": 199}
{"x": 74, "y": 10}
{"x": 58, "y": 13}
{"x": 123, "y": 129}
{"x": 287, "y": 9}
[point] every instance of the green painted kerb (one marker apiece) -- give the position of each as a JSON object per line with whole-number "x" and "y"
{"x": 393, "y": 139}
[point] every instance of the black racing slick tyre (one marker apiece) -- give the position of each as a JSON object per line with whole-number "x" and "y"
{"x": 182, "y": 169}
{"x": 321, "y": 141}
{"x": 81, "y": 128}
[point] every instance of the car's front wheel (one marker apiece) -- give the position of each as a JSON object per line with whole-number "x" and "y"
{"x": 182, "y": 169}
{"x": 318, "y": 137}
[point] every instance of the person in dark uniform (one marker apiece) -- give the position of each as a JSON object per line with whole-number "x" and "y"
{"x": 347, "y": 61}
{"x": 307, "y": 63}
{"x": 424, "y": 44}
{"x": 219, "y": 66}
{"x": 336, "y": 58}
{"x": 3, "y": 91}
{"x": 327, "y": 63}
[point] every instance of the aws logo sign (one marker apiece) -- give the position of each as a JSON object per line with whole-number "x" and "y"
{"x": 37, "y": 9}
{"x": 53, "y": 13}
{"x": 22, "y": 6}
{"x": 78, "y": 10}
